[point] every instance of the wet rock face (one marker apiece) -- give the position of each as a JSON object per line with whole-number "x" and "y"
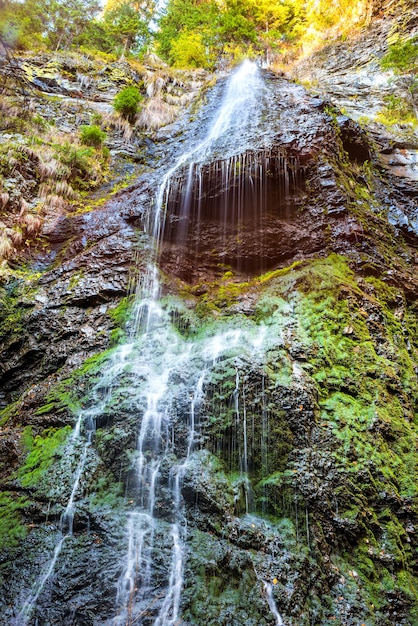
{"x": 66, "y": 318}
{"x": 263, "y": 208}
{"x": 350, "y": 76}
{"x": 301, "y": 476}
{"x": 240, "y": 214}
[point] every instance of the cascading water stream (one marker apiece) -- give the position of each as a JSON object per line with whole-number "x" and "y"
{"x": 238, "y": 112}
{"x": 168, "y": 369}
{"x": 272, "y": 605}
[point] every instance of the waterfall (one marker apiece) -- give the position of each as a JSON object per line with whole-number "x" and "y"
{"x": 237, "y": 112}
{"x": 272, "y": 605}
{"x": 173, "y": 373}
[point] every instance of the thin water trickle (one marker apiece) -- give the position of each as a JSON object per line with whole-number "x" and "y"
{"x": 85, "y": 422}
{"x": 268, "y": 588}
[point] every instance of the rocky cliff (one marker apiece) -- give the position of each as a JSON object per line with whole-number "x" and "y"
{"x": 290, "y": 334}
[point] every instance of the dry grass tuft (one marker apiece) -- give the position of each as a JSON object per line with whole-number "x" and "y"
{"x": 156, "y": 113}
{"x": 24, "y": 207}
{"x": 116, "y": 122}
{"x": 44, "y": 191}
{"x": 179, "y": 99}
{"x": 64, "y": 189}
{"x": 4, "y": 198}
{"x": 48, "y": 169}
{"x": 155, "y": 83}
{"x": 16, "y": 235}
{"x": 55, "y": 201}
{"x": 6, "y": 246}
{"x": 32, "y": 223}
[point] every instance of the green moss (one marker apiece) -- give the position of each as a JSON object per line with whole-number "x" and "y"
{"x": 264, "y": 278}
{"x": 356, "y": 339}
{"x": 12, "y": 314}
{"x": 121, "y": 314}
{"x": 12, "y": 530}
{"x": 61, "y": 398}
{"x": 75, "y": 280}
{"x": 107, "y": 494}
{"x": 69, "y": 394}
{"x": 42, "y": 451}
{"x": 221, "y": 294}
{"x": 8, "y": 412}
{"x": 401, "y": 56}
{"x": 233, "y": 590}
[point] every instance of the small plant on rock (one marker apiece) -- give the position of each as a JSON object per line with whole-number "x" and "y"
{"x": 92, "y": 136}
{"x": 127, "y": 101}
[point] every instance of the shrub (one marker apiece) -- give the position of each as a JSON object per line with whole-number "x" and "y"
{"x": 77, "y": 161}
{"x": 397, "y": 110}
{"x": 126, "y": 102}
{"x": 402, "y": 55}
{"x": 92, "y": 136}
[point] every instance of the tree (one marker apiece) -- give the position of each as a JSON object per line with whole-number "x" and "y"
{"x": 188, "y": 50}
{"x": 67, "y": 19}
{"x": 237, "y": 22}
{"x": 277, "y": 21}
{"x": 180, "y": 20}
{"x": 54, "y": 23}
{"x": 129, "y": 23}
{"x": 21, "y": 23}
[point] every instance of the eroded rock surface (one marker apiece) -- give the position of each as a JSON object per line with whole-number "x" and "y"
{"x": 302, "y": 474}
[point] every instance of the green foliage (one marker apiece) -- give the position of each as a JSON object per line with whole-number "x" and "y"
{"x": 54, "y": 23}
{"x": 186, "y": 16}
{"x": 127, "y": 102}
{"x": 188, "y": 50}
{"x": 401, "y": 56}
{"x": 79, "y": 165}
{"x": 11, "y": 528}
{"x": 128, "y": 24}
{"x": 193, "y": 34}
{"x": 42, "y": 450}
{"x": 397, "y": 110}
{"x": 237, "y": 22}
{"x": 21, "y": 24}
{"x": 76, "y": 159}
{"x": 92, "y": 136}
